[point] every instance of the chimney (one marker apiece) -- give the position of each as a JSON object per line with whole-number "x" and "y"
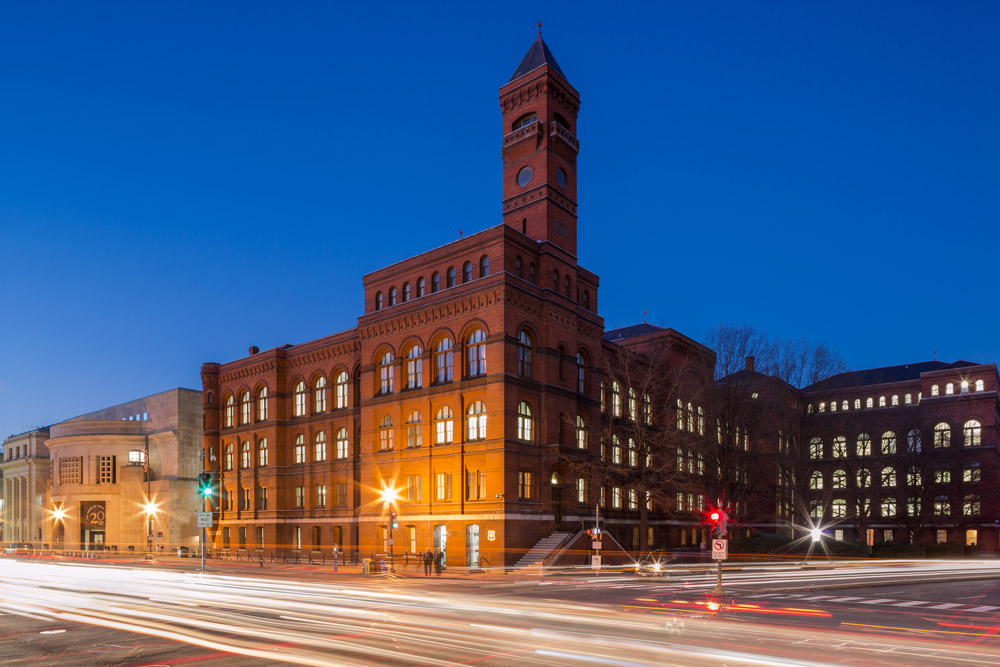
{"x": 254, "y": 350}
{"x": 749, "y": 362}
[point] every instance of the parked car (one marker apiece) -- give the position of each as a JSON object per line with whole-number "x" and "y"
{"x": 652, "y": 564}
{"x": 19, "y": 548}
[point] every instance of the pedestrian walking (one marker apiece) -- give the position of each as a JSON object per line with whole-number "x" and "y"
{"x": 438, "y": 562}
{"x": 428, "y": 561}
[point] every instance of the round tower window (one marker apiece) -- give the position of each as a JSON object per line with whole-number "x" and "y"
{"x": 561, "y": 177}
{"x": 524, "y": 176}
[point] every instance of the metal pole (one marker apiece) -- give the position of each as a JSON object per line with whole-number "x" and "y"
{"x": 392, "y": 563}
{"x": 718, "y": 580}
{"x": 203, "y": 532}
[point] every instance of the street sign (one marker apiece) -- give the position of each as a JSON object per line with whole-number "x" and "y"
{"x": 596, "y": 544}
{"x": 595, "y": 562}
{"x": 204, "y": 519}
{"x": 720, "y": 549}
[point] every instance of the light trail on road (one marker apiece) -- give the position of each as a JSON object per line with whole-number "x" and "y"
{"x": 415, "y": 622}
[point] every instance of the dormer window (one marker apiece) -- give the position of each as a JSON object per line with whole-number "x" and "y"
{"x": 524, "y": 121}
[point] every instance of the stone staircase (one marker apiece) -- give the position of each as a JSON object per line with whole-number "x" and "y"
{"x": 540, "y": 551}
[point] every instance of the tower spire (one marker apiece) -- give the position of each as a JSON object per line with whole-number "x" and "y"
{"x": 539, "y": 27}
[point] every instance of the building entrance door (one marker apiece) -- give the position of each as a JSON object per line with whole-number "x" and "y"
{"x": 557, "y": 505}
{"x": 472, "y": 545}
{"x": 441, "y": 538}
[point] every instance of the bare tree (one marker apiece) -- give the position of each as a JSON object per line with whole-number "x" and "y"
{"x": 796, "y": 362}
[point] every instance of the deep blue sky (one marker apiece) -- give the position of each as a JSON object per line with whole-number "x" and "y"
{"x": 179, "y": 181}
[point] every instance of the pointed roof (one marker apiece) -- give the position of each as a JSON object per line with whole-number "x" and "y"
{"x": 537, "y": 56}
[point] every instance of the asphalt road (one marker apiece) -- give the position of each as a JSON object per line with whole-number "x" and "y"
{"x": 83, "y": 614}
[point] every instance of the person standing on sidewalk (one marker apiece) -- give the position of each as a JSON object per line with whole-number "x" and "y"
{"x": 438, "y": 563}
{"x": 428, "y": 561}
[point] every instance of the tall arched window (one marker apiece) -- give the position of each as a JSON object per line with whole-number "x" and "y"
{"x": 942, "y": 435}
{"x": 451, "y": 276}
{"x": 524, "y": 354}
{"x": 524, "y": 422}
{"x": 980, "y": 385}
{"x": 531, "y": 272}
{"x": 888, "y": 478}
{"x": 444, "y": 426}
{"x": 385, "y": 434}
{"x": 555, "y": 279}
{"x": 838, "y": 480}
{"x": 467, "y": 272}
{"x": 245, "y": 407}
{"x": 319, "y": 395}
{"x": 586, "y": 300}
{"x": 406, "y": 292}
{"x": 300, "y": 399}
{"x": 245, "y": 454}
{"x": 517, "y": 267}
{"x": 477, "y": 421}
{"x": 566, "y": 287}
{"x": 378, "y": 300}
{"x": 816, "y": 480}
{"x": 420, "y": 287}
{"x": 385, "y": 374}
{"x": 864, "y": 478}
{"x": 869, "y": 402}
{"x": 475, "y": 353}
{"x": 262, "y": 404}
{"x": 949, "y": 388}
{"x": 616, "y": 399}
{"x": 319, "y": 446}
{"x": 229, "y": 456}
{"x": 913, "y": 441}
{"x": 262, "y": 453}
{"x": 484, "y": 266}
{"x": 581, "y": 374}
{"x": 973, "y": 433}
{"x": 435, "y": 282}
{"x": 392, "y": 296}
{"x": 341, "y": 384}
{"x": 414, "y": 368}
{"x": 341, "y": 443}
{"x": 414, "y": 430}
{"x": 864, "y": 445}
{"x": 581, "y": 433}
{"x": 633, "y": 406}
{"x": 299, "y": 452}
{"x": 229, "y": 415}
{"x": 443, "y": 361}
{"x": 934, "y": 390}
{"x": 888, "y": 443}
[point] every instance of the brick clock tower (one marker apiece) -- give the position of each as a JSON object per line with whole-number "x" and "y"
{"x": 539, "y": 150}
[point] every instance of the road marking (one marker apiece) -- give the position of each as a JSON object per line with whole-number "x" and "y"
{"x": 844, "y": 599}
{"x": 983, "y": 608}
{"x": 946, "y": 605}
{"x": 879, "y": 601}
{"x": 911, "y": 603}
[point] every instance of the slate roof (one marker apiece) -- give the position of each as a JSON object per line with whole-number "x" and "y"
{"x": 884, "y": 375}
{"x": 537, "y": 56}
{"x": 631, "y": 331}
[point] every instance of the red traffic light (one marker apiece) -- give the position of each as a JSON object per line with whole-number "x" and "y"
{"x": 714, "y": 516}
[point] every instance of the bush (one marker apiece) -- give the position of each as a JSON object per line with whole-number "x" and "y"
{"x": 945, "y": 550}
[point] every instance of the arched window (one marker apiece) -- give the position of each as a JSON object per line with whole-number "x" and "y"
{"x": 633, "y": 406}
{"x": 406, "y": 292}
{"x": 414, "y": 430}
{"x": 844, "y": 405}
{"x": 913, "y": 441}
{"x": 319, "y": 446}
{"x": 444, "y": 426}
{"x": 475, "y": 353}
{"x": 420, "y": 287}
{"x": 864, "y": 444}
{"x": 467, "y": 272}
{"x": 451, "y": 276}
{"x": 971, "y": 505}
{"x": 555, "y": 279}
{"x": 838, "y": 508}
{"x": 484, "y": 266}
{"x": 972, "y": 432}
{"x": 517, "y": 267}
{"x": 581, "y": 433}
{"x": 262, "y": 453}
{"x": 300, "y": 399}
{"x": 934, "y": 390}
{"x": 840, "y": 447}
{"x": 299, "y": 452}
{"x": 815, "y": 448}
{"x": 913, "y": 477}
{"x": 414, "y": 368}
{"x": 888, "y": 508}
{"x": 816, "y": 480}
{"x": 262, "y": 404}
{"x": 908, "y": 399}
{"x": 972, "y": 472}
{"x": 857, "y": 403}
{"x": 385, "y": 374}
{"x": 385, "y": 434}
{"x": 980, "y": 386}
{"x": 229, "y": 456}
{"x": 833, "y": 406}
{"x": 524, "y": 422}
{"x": 477, "y": 421}
{"x": 230, "y": 410}
{"x": 586, "y": 300}
{"x": 245, "y": 407}
{"x": 942, "y": 435}
{"x": 524, "y": 354}
{"x": 319, "y": 395}
{"x": 888, "y": 478}
{"x": 392, "y": 296}
{"x": 869, "y": 403}
{"x": 864, "y": 478}
{"x": 838, "y": 480}
{"x": 435, "y": 282}
{"x": 245, "y": 454}
{"x": 531, "y": 272}
{"x": 524, "y": 121}
{"x": 949, "y": 388}
{"x": 341, "y": 443}
{"x": 442, "y": 361}
{"x": 691, "y": 423}
{"x": 566, "y": 287}
{"x": 342, "y": 383}
{"x": 888, "y": 443}
{"x": 616, "y": 399}
{"x": 895, "y": 399}
{"x": 581, "y": 374}
{"x": 378, "y": 300}
{"x": 881, "y": 401}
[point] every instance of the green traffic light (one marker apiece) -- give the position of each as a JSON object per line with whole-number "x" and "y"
{"x": 207, "y": 491}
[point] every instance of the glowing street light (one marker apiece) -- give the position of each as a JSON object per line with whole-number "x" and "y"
{"x": 389, "y": 496}
{"x": 816, "y": 534}
{"x": 58, "y": 513}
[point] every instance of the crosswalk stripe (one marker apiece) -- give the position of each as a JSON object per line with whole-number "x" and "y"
{"x": 879, "y": 601}
{"x": 844, "y": 599}
{"x": 983, "y": 608}
{"x": 946, "y": 605}
{"x": 911, "y": 603}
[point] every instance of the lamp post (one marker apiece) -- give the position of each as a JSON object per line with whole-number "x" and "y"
{"x": 389, "y": 497}
{"x": 150, "y": 510}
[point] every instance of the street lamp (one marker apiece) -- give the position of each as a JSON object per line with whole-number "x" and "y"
{"x": 150, "y": 510}
{"x": 389, "y": 496}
